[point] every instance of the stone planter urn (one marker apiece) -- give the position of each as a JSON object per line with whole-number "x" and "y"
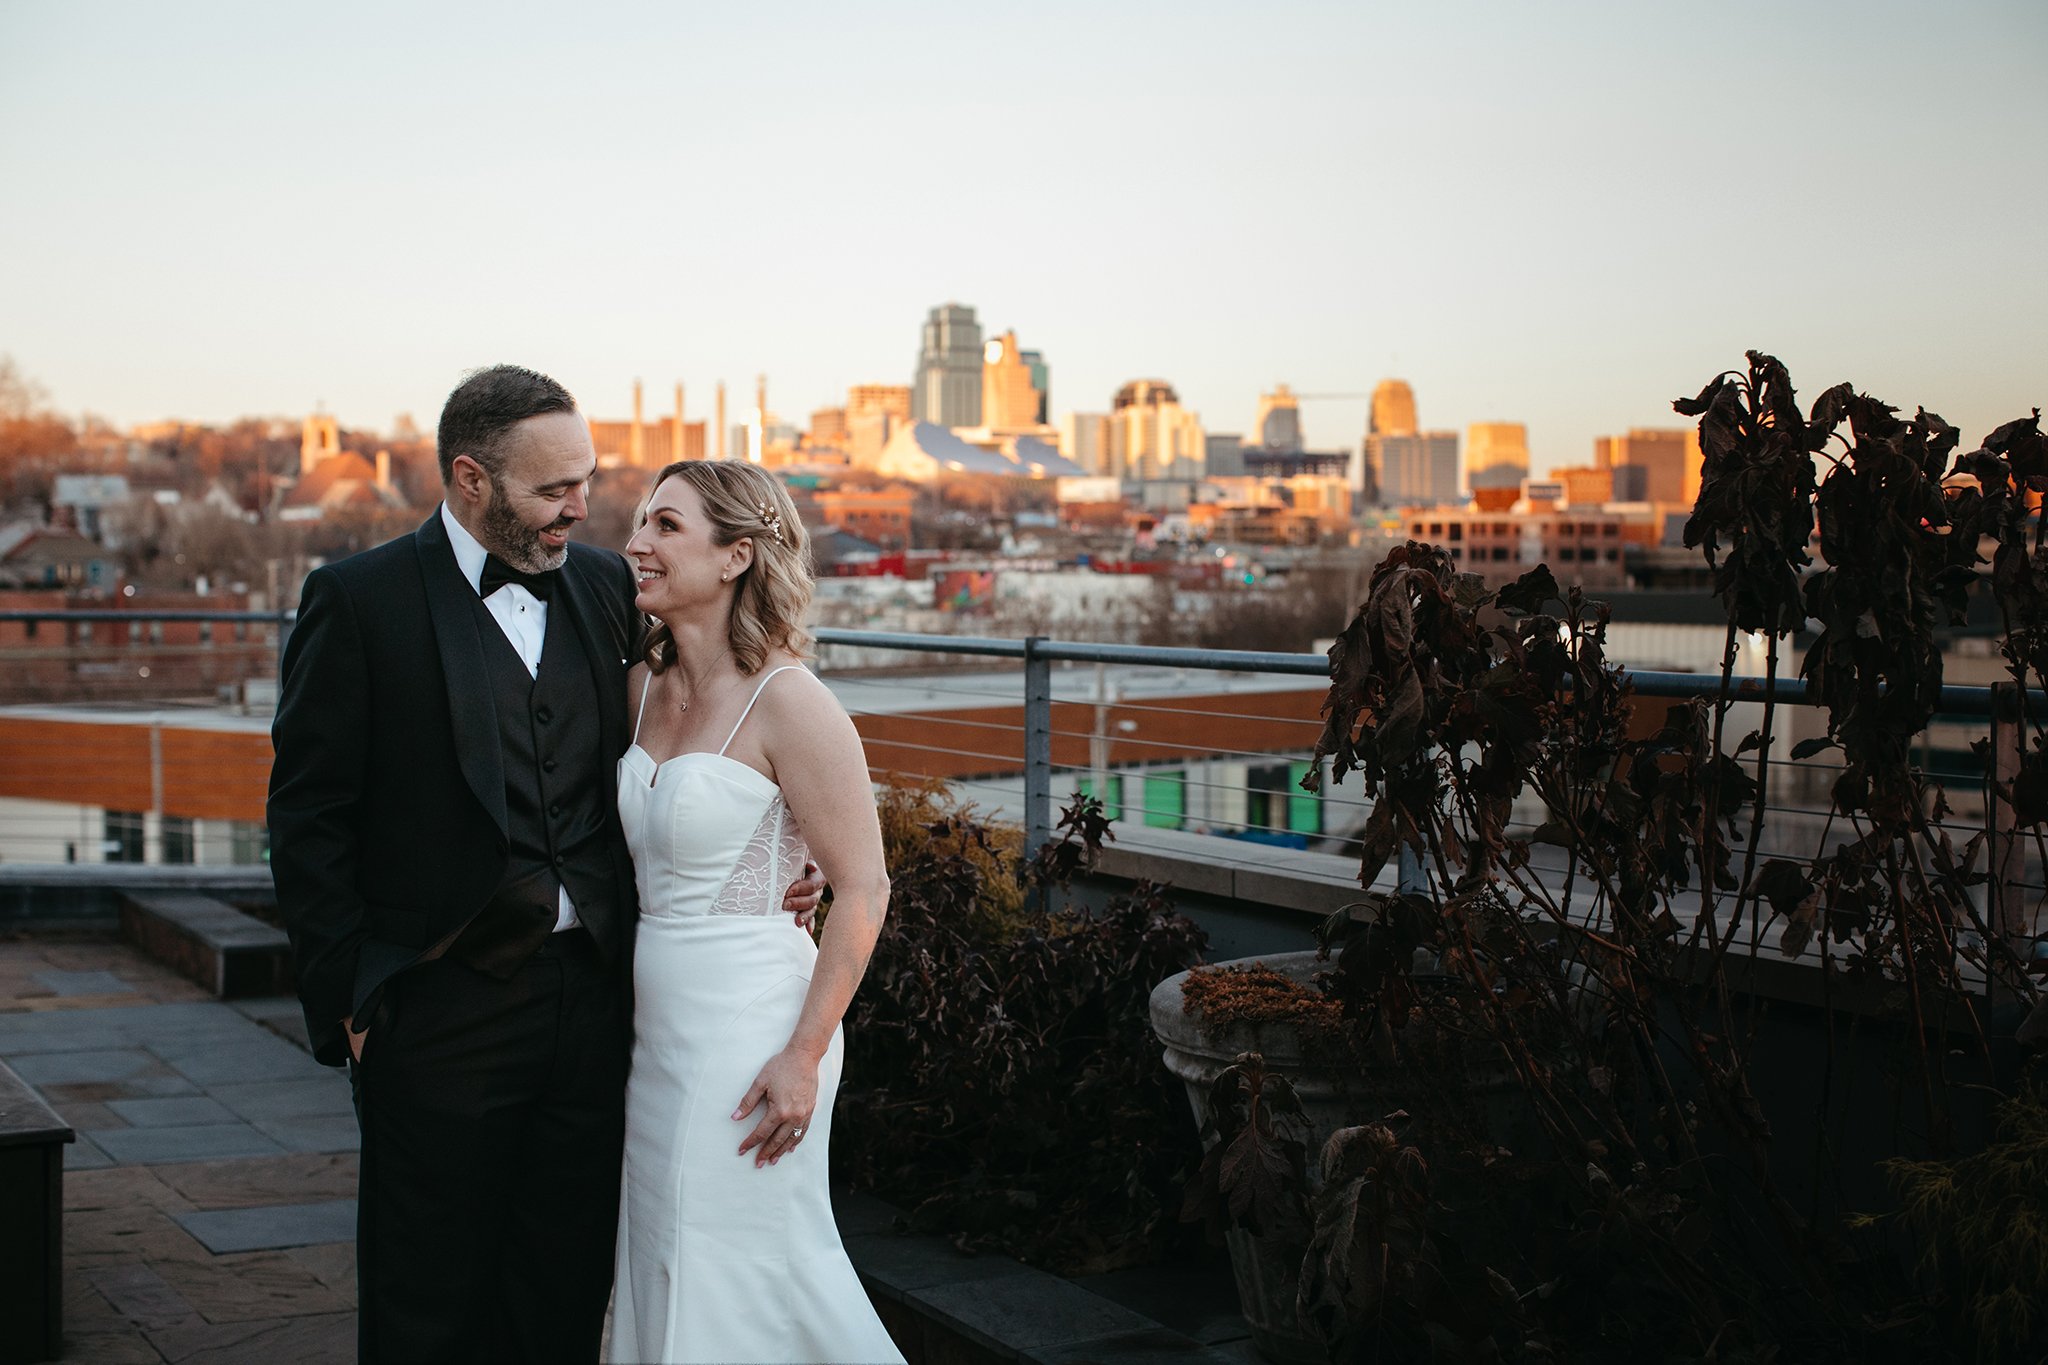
{"x": 1268, "y": 1269}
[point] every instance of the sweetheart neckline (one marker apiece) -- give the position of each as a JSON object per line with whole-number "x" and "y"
{"x": 742, "y": 765}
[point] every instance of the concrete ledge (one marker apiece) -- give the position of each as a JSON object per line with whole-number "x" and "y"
{"x": 208, "y": 941}
{"x": 944, "y": 1308}
{"x": 33, "y": 894}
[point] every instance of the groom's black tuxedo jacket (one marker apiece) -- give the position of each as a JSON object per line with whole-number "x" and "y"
{"x": 387, "y": 808}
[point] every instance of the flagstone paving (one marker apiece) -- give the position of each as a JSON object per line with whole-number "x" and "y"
{"x": 210, "y": 1199}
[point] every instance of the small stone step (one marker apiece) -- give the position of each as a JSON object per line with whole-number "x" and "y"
{"x": 232, "y": 954}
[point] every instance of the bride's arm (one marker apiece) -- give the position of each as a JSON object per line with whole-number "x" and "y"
{"x": 823, "y": 771}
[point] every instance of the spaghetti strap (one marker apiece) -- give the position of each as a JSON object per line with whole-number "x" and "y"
{"x": 646, "y": 686}
{"x": 750, "y": 706}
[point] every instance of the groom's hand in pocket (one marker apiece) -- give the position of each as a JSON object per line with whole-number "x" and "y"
{"x": 804, "y": 894}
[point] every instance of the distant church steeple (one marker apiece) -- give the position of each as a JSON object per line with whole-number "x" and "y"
{"x": 319, "y": 439}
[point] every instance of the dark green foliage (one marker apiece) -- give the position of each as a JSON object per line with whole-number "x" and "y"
{"x": 1983, "y": 1224}
{"x": 1002, "y": 1080}
{"x": 1254, "y": 1173}
{"x": 1580, "y": 1167}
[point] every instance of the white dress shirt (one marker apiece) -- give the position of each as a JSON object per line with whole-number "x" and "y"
{"x": 524, "y": 619}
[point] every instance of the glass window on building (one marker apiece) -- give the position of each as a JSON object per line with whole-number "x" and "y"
{"x": 1166, "y": 799}
{"x": 124, "y": 836}
{"x": 249, "y": 842}
{"x": 1304, "y": 808}
{"x": 1276, "y": 808}
{"x": 180, "y": 846}
{"x": 1265, "y": 798}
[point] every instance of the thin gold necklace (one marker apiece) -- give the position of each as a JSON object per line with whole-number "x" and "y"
{"x": 684, "y": 704}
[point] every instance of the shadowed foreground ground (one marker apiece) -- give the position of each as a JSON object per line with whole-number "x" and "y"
{"x": 210, "y": 1200}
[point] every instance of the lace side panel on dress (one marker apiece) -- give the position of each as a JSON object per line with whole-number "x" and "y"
{"x": 772, "y": 859}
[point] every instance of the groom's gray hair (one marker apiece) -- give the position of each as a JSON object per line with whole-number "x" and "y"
{"x": 487, "y": 405}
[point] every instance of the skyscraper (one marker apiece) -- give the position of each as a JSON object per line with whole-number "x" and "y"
{"x": 1011, "y": 399}
{"x": 1398, "y": 464}
{"x": 1416, "y": 470}
{"x": 1084, "y": 439}
{"x": 1151, "y": 436}
{"x": 948, "y": 387}
{"x": 1496, "y": 454}
{"x": 1393, "y": 409}
{"x": 1277, "y": 426}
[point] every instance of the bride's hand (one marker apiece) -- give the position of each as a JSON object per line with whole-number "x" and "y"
{"x": 787, "y": 1092}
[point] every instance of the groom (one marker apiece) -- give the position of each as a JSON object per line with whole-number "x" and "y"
{"x": 448, "y": 859}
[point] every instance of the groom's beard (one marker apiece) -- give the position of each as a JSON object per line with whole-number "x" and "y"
{"x": 513, "y": 541}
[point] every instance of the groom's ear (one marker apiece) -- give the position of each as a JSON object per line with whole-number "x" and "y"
{"x": 467, "y": 479}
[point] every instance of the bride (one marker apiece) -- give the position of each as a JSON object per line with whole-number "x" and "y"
{"x": 742, "y": 765}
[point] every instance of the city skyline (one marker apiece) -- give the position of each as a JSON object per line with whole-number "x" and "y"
{"x": 1562, "y": 218}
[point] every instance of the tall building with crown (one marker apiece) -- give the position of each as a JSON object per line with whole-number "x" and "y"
{"x": 1151, "y": 436}
{"x": 948, "y": 386}
{"x": 1393, "y": 409}
{"x": 1496, "y": 454}
{"x": 1398, "y": 464}
{"x": 1013, "y": 386}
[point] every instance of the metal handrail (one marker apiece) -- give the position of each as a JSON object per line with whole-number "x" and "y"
{"x": 2000, "y": 706}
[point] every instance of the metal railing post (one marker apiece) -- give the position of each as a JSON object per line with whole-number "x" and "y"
{"x": 1409, "y": 878}
{"x": 1037, "y": 745}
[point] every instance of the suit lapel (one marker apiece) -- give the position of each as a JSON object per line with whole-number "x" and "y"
{"x": 578, "y": 597}
{"x": 474, "y": 715}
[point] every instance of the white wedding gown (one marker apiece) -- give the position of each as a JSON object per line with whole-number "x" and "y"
{"x": 718, "y": 1261}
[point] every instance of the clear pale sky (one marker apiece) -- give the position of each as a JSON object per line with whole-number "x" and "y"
{"x": 1563, "y": 214}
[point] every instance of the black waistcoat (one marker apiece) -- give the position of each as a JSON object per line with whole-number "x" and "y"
{"x": 556, "y": 795}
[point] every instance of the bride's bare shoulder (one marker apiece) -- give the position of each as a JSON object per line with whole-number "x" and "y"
{"x": 796, "y": 698}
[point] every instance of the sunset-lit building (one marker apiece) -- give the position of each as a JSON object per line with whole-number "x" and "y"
{"x": 891, "y": 400}
{"x": 880, "y": 516}
{"x": 1670, "y": 460}
{"x": 1393, "y": 409}
{"x": 1084, "y": 439}
{"x": 333, "y": 480}
{"x": 873, "y": 414}
{"x": 319, "y": 439}
{"x": 828, "y": 428}
{"x": 1151, "y": 436}
{"x": 1013, "y": 386}
{"x": 642, "y": 444}
{"x": 1580, "y": 547}
{"x": 1585, "y": 485}
{"x": 1496, "y": 454}
{"x": 1392, "y": 415}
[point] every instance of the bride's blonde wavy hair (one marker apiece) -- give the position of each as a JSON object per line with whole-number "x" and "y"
{"x": 768, "y": 604}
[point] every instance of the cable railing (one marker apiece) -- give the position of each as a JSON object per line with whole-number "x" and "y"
{"x": 1175, "y": 741}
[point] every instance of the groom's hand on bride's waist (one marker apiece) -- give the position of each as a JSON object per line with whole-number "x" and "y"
{"x": 804, "y": 894}
{"x": 355, "y": 1040}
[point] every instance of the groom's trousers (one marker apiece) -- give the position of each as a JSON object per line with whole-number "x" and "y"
{"x": 493, "y": 1117}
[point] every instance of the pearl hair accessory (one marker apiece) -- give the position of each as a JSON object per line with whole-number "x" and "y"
{"x": 772, "y": 520}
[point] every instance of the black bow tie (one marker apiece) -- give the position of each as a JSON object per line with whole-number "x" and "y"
{"x": 497, "y": 573}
